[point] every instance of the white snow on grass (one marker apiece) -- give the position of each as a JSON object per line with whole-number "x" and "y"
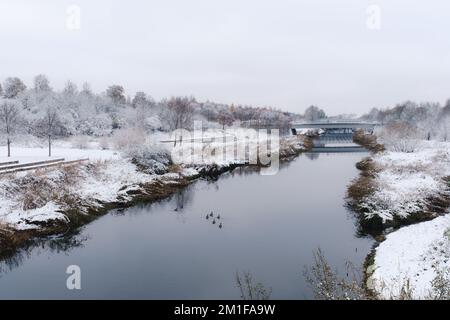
{"x": 26, "y": 219}
{"x": 105, "y": 178}
{"x": 113, "y": 178}
{"x": 413, "y": 253}
{"x": 406, "y": 181}
{"x": 26, "y": 155}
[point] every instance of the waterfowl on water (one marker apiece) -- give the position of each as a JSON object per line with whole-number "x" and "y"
{"x": 211, "y": 214}
{"x": 214, "y": 221}
{"x": 218, "y": 217}
{"x": 207, "y": 216}
{"x": 220, "y": 225}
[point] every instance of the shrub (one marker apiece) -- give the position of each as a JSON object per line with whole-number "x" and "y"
{"x": 151, "y": 159}
{"x": 400, "y": 137}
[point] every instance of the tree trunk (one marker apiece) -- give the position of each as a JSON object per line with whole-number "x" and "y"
{"x": 9, "y": 147}
{"x": 49, "y": 146}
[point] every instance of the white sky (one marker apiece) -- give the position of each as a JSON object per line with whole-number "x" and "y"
{"x": 286, "y": 53}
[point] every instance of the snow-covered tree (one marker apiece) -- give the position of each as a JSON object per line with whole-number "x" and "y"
{"x": 50, "y": 121}
{"x": 179, "y": 112}
{"x": 70, "y": 89}
{"x": 400, "y": 137}
{"x": 116, "y": 93}
{"x": 9, "y": 117}
{"x": 225, "y": 119}
{"x": 87, "y": 90}
{"x": 13, "y": 86}
{"x": 314, "y": 113}
{"x": 41, "y": 83}
{"x": 140, "y": 100}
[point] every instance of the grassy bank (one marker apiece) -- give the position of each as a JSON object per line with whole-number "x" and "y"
{"x": 395, "y": 189}
{"x": 392, "y": 194}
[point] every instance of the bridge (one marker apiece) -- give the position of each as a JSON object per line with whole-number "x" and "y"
{"x": 343, "y": 126}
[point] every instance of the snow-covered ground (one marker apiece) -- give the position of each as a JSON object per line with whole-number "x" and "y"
{"x": 406, "y": 181}
{"x": 94, "y": 183}
{"x": 414, "y": 253}
{"x": 25, "y": 155}
{"x": 107, "y": 176}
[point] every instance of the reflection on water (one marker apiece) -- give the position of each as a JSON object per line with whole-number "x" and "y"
{"x": 270, "y": 225}
{"x": 54, "y": 244}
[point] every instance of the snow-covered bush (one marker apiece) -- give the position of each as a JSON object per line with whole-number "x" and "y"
{"x": 399, "y": 137}
{"x": 98, "y": 125}
{"x": 150, "y": 158}
{"x": 153, "y": 123}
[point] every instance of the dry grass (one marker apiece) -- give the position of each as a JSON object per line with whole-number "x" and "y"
{"x": 251, "y": 290}
{"x": 368, "y": 141}
{"x": 37, "y": 188}
{"x": 363, "y": 186}
{"x": 326, "y": 284}
{"x": 175, "y": 168}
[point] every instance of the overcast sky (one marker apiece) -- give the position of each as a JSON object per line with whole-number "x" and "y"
{"x": 286, "y": 53}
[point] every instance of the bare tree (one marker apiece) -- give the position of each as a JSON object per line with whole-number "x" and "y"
{"x": 326, "y": 284}
{"x": 9, "y": 116}
{"x": 51, "y": 121}
{"x": 179, "y": 113}
{"x": 249, "y": 290}
{"x": 225, "y": 119}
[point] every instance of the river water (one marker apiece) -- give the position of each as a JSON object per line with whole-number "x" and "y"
{"x": 270, "y": 226}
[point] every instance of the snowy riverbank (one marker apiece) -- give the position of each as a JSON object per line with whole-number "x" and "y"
{"x": 412, "y": 259}
{"x": 407, "y": 188}
{"x": 397, "y": 188}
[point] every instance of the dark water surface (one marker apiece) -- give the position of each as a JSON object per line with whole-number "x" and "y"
{"x": 270, "y": 227}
